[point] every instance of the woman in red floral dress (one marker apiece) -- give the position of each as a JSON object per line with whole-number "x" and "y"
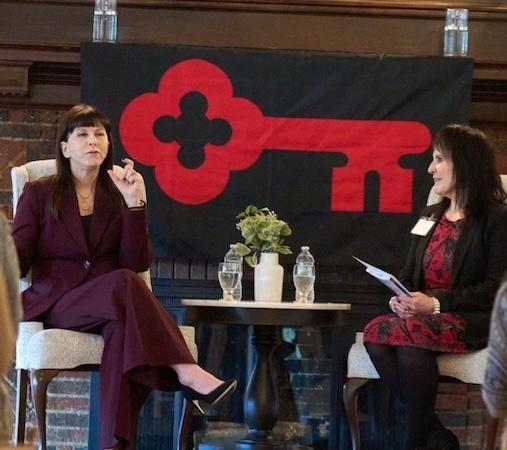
{"x": 456, "y": 260}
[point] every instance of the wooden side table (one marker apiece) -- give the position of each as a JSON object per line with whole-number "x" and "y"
{"x": 261, "y": 404}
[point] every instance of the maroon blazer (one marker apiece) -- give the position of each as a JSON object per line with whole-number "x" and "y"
{"x": 56, "y": 249}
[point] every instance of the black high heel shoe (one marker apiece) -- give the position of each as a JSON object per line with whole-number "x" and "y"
{"x": 213, "y": 397}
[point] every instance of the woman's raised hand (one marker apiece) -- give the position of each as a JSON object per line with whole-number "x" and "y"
{"x": 129, "y": 183}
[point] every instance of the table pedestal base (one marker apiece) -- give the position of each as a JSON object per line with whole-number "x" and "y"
{"x": 261, "y": 396}
{"x": 260, "y": 440}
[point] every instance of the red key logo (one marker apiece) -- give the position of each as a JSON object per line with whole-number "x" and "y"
{"x": 244, "y": 133}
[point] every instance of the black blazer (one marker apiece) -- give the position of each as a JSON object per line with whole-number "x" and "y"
{"x": 480, "y": 260}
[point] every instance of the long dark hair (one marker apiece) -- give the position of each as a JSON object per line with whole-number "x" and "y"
{"x": 76, "y": 117}
{"x": 476, "y": 177}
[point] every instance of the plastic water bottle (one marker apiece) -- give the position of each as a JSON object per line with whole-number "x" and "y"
{"x": 306, "y": 257}
{"x": 110, "y": 20}
{"x": 98, "y": 21}
{"x": 234, "y": 257}
{"x": 451, "y": 32}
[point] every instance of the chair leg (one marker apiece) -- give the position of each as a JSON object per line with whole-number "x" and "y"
{"x": 21, "y": 396}
{"x": 350, "y": 390}
{"x": 492, "y": 433}
{"x": 39, "y": 381}
{"x": 185, "y": 424}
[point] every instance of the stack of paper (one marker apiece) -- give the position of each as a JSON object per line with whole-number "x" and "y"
{"x": 386, "y": 278}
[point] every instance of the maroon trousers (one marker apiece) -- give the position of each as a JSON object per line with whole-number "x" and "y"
{"x": 141, "y": 342}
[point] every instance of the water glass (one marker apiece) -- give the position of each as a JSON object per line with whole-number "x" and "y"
{"x": 229, "y": 274}
{"x": 303, "y": 275}
{"x": 456, "y": 32}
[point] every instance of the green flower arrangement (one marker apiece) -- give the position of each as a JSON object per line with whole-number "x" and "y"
{"x": 263, "y": 232}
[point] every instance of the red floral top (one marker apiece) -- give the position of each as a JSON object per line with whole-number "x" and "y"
{"x": 437, "y": 260}
{"x": 436, "y": 332}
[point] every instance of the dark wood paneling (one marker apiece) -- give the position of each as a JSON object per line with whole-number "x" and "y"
{"x": 356, "y": 31}
{"x": 47, "y": 34}
{"x": 14, "y": 78}
{"x": 307, "y": 5}
{"x": 376, "y": 29}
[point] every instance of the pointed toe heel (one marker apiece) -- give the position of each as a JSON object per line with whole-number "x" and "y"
{"x": 213, "y": 397}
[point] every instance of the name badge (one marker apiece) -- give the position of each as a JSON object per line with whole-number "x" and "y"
{"x": 423, "y": 226}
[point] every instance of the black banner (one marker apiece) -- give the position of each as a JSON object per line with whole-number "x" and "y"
{"x": 337, "y": 146}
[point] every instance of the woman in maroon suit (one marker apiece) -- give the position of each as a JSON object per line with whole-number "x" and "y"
{"x": 83, "y": 233}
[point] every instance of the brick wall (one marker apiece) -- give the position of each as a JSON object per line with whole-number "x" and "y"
{"x": 67, "y": 411}
{"x": 25, "y": 135}
{"x": 462, "y": 410}
{"x": 28, "y": 134}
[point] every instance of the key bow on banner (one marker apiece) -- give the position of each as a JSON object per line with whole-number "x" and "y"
{"x": 368, "y": 145}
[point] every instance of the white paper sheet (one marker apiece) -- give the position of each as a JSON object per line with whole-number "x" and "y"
{"x": 385, "y": 278}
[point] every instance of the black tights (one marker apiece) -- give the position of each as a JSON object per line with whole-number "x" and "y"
{"x": 411, "y": 374}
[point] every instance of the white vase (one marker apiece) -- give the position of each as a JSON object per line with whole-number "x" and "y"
{"x": 268, "y": 279}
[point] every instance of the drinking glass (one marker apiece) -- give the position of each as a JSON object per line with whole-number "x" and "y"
{"x": 229, "y": 274}
{"x": 303, "y": 275}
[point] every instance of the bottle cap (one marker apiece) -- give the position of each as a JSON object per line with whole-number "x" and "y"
{"x": 305, "y": 247}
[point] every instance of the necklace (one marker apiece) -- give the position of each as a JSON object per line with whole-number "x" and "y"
{"x": 85, "y": 202}
{"x": 84, "y": 197}
{"x": 85, "y": 208}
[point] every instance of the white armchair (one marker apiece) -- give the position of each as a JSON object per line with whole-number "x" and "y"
{"x": 42, "y": 353}
{"x": 466, "y": 367}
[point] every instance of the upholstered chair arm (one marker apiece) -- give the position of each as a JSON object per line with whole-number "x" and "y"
{"x": 25, "y": 332}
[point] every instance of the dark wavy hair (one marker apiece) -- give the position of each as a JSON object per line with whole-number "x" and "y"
{"x": 478, "y": 183}
{"x": 81, "y": 116}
